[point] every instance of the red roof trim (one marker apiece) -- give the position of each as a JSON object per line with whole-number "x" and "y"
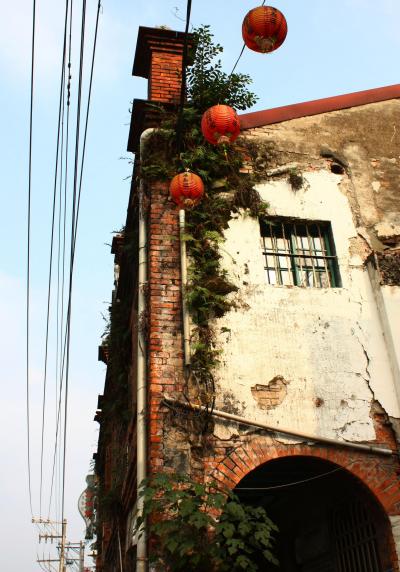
{"x": 279, "y": 114}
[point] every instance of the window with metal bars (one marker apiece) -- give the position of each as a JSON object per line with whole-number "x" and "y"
{"x": 299, "y": 253}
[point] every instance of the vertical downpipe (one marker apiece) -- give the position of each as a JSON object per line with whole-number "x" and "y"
{"x": 141, "y": 469}
{"x": 185, "y": 314}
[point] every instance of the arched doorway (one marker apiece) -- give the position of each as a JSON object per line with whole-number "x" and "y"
{"x": 329, "y": 521}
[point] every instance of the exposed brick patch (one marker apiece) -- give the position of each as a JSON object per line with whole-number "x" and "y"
{"x": 384, "y": 432}
{"x": 389, "y": 267}
{"x": 272, "y": 394}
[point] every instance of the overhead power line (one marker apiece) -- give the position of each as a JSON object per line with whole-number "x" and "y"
{"x": 63, "y": 352}
{"x": 62, "y": 82}
{"x": 72, "y": 254}
{"x": 62, "y": 339}
{"x": 87, "y": 117}
{"x": 60, "y": 113}
{"x": 183, "y": 78}
{"x": 28, "y": 256}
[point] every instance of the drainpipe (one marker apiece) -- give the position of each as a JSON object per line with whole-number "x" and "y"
{"x": 141, "y": 399}
{"x": 185, "y": 313}
{"x": 285, "y": 431}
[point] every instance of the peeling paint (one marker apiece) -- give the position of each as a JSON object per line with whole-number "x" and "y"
{"x": 327, "y": 342}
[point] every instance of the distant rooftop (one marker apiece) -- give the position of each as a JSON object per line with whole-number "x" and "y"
{"x": 317, "y": 106}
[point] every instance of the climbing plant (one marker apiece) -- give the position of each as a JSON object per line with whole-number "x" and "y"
{"x": 116, "y": 411}
{"x": 200, "y": 528}
{"x": 228, "y": 189}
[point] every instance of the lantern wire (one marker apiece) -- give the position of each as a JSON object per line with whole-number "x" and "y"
{"x": 240, "y": 55}
{"x": 237, "y": 61}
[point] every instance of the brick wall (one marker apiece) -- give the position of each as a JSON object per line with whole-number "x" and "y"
{"x": 165, "y": 322}
{"x": 232, "y": 462}
{"x": 165, "y": 76}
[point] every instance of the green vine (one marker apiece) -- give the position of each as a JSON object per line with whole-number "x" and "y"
{"x": 227, "y": 191}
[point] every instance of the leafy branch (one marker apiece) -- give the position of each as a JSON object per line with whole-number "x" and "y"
{"x": 201, "y": 528}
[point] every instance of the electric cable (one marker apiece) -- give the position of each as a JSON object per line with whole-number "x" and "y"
{"x": 58, "y": 153}
{"x": 28, "y": 255}
{"x": 183, "y": 79}
{"x": 87, "y": 118}
{"x": 72, "y": 254}
{"x": 51, "y": 256}
{"x": 303, "y": 481}
{"x": 58, "y": 310}
{"x": 58, "y": 436}
{"x": 81, "y": 176}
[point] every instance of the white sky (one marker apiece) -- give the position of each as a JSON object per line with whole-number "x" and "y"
{"x": 333, "y": 47}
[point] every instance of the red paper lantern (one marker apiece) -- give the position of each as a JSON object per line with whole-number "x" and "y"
{"x": 220, "y": 124}
{"x": 264, "y": 29}
{"x": 186, "y": 189}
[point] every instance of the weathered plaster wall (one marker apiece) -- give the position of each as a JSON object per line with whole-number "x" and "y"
{"x": 306, "y": 358}
{"x": 391, "y": 297}
{"x": 317, "y": 359}
{"x": 365, "y": 140}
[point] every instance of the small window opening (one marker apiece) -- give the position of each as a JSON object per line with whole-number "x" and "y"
{"x": 299, "y": 253}
{"x": 337, "y": 168}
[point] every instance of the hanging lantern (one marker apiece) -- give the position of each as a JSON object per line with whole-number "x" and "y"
{"x": 264, "y": 29}
{"x": 186, "y": 190}
{"x": 220, "y": 124}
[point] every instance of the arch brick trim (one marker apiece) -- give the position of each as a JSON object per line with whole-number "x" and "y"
{"x": 379, "y": 475}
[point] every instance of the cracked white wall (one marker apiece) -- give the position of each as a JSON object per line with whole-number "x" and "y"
{"x": 326, "y": 344}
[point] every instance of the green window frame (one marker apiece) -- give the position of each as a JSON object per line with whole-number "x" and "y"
{"x": 299, "y": 253}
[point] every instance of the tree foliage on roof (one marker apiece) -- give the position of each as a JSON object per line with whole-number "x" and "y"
{"x": 208, "y": 84}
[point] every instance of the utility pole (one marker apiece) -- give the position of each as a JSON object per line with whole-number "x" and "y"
{"x": 62, "y": 547}
{"x": 81, "y": 556}
{"x": 49, "y": 530}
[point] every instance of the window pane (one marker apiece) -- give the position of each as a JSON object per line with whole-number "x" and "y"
{"x": 283, "y": 262}
{"x": 319, "y": 263}
{"x": 268, "y": 243}
{"x": 281, "y": 244}
{"x": 299, "y": 253}
{"x": 317, "y": 244}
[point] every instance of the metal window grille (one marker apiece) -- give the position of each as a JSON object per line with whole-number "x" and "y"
{"x": 299, "y": 253}
{"x": 355, "y": 540}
